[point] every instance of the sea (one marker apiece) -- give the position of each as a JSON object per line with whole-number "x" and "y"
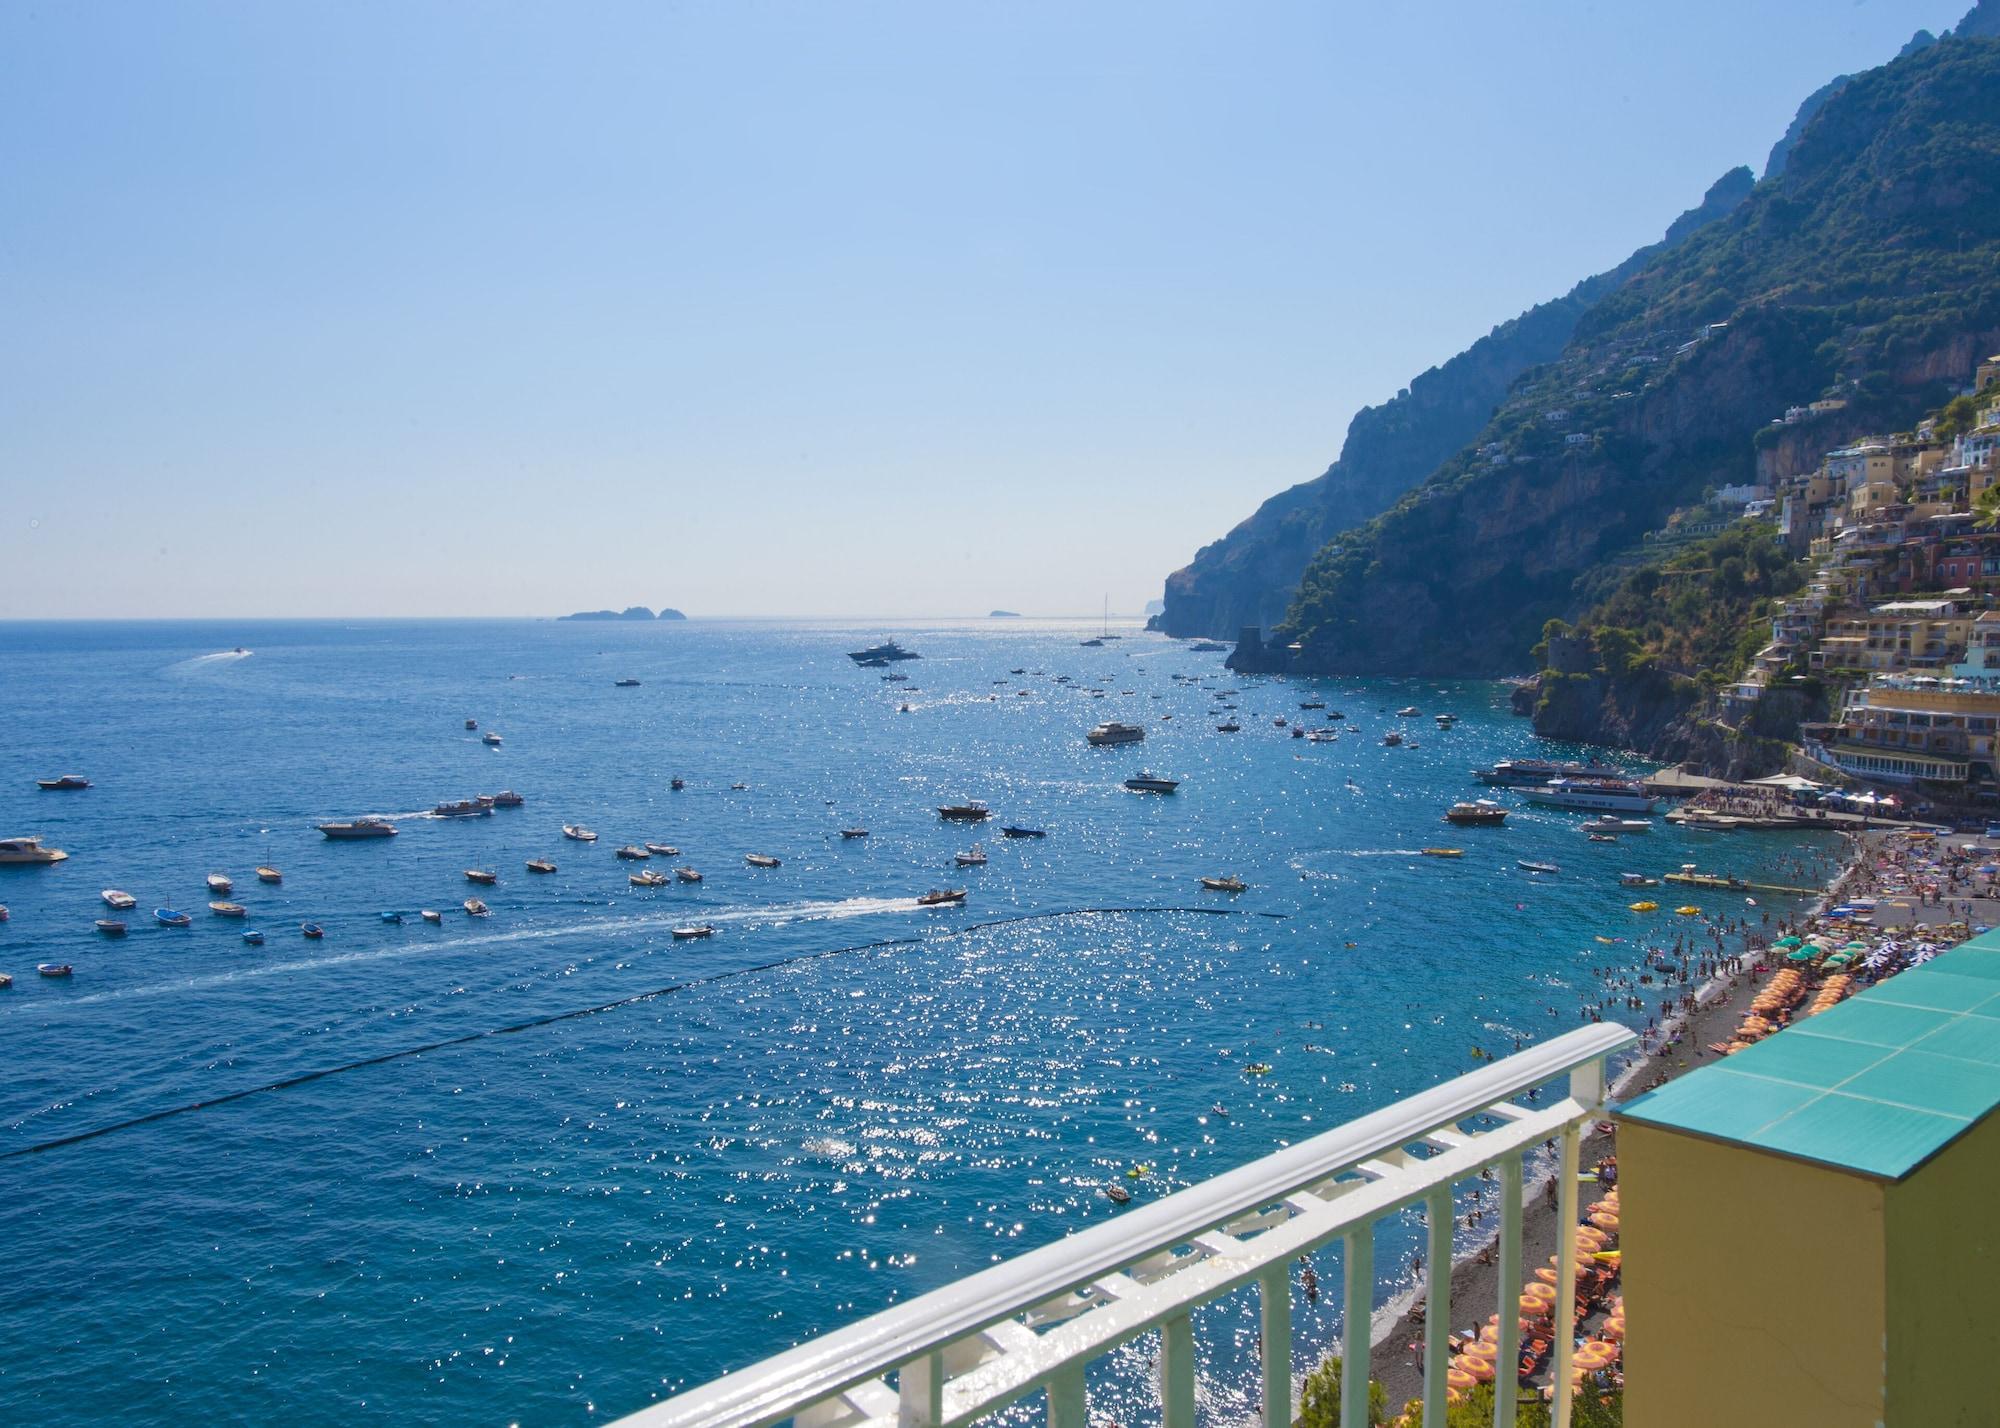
{"x": 548, "y": 1165}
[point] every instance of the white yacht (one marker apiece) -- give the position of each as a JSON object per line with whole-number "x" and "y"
{"x": 28, "y": 850}
{"x": 1113, "y": 732}
{"x": 1602, "y": 795}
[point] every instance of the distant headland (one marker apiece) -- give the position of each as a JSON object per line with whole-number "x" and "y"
{"x": 1003, "y": 614}
{"x": 630, "y": 612}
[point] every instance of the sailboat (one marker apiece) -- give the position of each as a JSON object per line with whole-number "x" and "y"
{"x": 1097, "y": 642}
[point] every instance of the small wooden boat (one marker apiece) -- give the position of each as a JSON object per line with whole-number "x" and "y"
{"x": 632, "y": 853}
{"x": 854, "y": 832}
{"x": 474, "y": 907}
{"x": 974, "y": 857}
{"x": 578, "y": 833}
{"x": 1229, "y": 726}
{"x": 647, "y": 879}
{"x": 1392, "y": 738}
{"x": 229, "y": 909}
{"x": 123, "y": 901}
{"x": 540, "y": 865}
{"x": 110, "y": 927}
{"x": 269, "y": 875}
{"x": 430, "y": 915}
{"x": 684, "y": 934}
{"x": 253, "y": 938}
{"x": 472, "y": 723}
{"x": 481, "y": 876}
{"x": 1228, "y": 885}
{"x": 220, "y": 885}
{"x": 1010, "y": 831}
{"x": 972, "y": 811}
{"x": 678, "y": 784}
{"x": 687, "y": 875}
{"x": 663, "y": 850}
{"x": 6, "y": 981}
{"x": 393, "y": 917}
{"x": 54, "y": 969}
{"x": 66, "y": 781}
{"x": 167, "y": 917}
{"x": 311, "y": 931}
{"x": 938, "y": 897}
{"x": 1257, "y": 1068}
{"x": 760, "y": 860}
{"x": 1219, "y": 1111}
{"x": 1442, "y": 852}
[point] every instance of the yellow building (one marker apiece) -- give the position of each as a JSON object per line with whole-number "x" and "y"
{"x": 1808, "y": 1226}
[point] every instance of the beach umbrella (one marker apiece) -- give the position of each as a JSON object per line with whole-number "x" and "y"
{"x": 1791, "y": 941}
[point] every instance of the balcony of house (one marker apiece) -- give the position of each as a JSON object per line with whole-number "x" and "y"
{"x": 1808, "y": 1221}
{"x": 1893, "y": 765}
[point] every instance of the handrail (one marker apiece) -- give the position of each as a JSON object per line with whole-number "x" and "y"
{"x": 915, "y": 1334}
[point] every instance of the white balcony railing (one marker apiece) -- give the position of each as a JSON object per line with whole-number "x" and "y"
{"x": 1039, "y": 1321}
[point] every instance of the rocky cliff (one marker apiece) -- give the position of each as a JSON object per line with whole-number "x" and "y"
{"x": 1248, "y": 577}
{"x": 1867, "y": 266}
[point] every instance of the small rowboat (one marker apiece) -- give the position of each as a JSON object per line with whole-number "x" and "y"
{"x": 312, "y": 931}
{"x": 54, "y": 969}
{"x": 220, "y": 885}
{"x": 1228, "y": 885}
{"x": 678, "y": 784}
{"x": 229, "y": 909}
{"x": 167, "y": 917}
{"x": 395, "y": 917}
{"x": 854, "y": 832}
{"x": 760, "y": 860}
{"x": 475, "y": 908}
{"x": 481, "y": 876}
{"x": 684, "y": 934}
{"x": 110, "y": 927}
{"x": 431, "y": 915}
{"x": 269, "y": 875}
{"x": 254, "y": 938}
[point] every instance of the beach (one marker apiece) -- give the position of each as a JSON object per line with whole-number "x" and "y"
{"x": 1883, "y": 863}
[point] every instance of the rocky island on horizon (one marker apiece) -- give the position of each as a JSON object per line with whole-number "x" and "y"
{"x": 630, "y": 612}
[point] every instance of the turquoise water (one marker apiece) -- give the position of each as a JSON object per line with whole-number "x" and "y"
{"x": 559, "y": 1223}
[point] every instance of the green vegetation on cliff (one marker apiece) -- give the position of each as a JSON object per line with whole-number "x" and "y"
{"x": 1871, "y": 266}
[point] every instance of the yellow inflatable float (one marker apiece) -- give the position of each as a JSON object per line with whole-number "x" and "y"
{"x": 1645, "y": 907}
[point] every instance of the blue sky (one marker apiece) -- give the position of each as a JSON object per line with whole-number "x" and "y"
{"x": 785, "y": 308}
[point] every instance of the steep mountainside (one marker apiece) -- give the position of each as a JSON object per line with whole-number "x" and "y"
{"x": 1872, "y": 264}
{"x": 1249, "y": 575}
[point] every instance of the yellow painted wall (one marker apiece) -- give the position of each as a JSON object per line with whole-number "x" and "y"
{"x": 1754, "y": 1286}
{"x": 1944, "y": 1286}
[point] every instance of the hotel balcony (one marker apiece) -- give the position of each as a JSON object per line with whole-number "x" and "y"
{"x": 1808, "y": 1227}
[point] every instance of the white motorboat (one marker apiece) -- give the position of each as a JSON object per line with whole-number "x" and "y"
{"x": 975, "y": 857}
{"x": 123, "y": 901}
{"x": 28, "y": 850}
{"x": 1113, "y": 732}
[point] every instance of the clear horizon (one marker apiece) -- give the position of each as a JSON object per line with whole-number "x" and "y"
{"x": 385, "y": 311}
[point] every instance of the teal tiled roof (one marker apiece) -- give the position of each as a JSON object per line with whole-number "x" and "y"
{"x": 1877, "y": 1084}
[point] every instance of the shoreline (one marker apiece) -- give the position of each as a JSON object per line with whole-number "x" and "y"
{"x": 1720, "y": 1002}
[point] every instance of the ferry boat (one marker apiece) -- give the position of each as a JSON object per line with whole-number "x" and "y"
{"x": 1616, "y": 795}
{"x": 885, "y": 652}
{"x": 1535, "y": 773}
{"x": 938, "y": 897}
{"x": 359, "y": 828}
{"x": 1479, "y": 811}
{"x": 971, "y": 811}
{"x": 1113, "y": 732}
{"x": 1143, "y": 782}
{"x": 28, "y": 850}
{"x": 66, "y": 781}
{"x": 119, "y": 899}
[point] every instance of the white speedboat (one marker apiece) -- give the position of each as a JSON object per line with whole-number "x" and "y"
{"x": 123, "y": 901}
{"x": 974, "y": 857}
{"x": 1608, "y": 824}
{"x": 490, "y": 739}
{"x": 579, "y": 833}
{"x": 687, "y": 875}
{"x": 28, "y": 850}
{"x": 685, "y": 934}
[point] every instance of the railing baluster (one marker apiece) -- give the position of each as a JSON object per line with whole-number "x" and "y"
{"x": 1274, "y": 1290}
{"x": 1358, "y": 1253}
{"x": 1177, "y": 1372}
{"x": 1068, "y": 1408}
{"x": 1507, "y": 1362}
{"x": 920, "y": 1392}
{"x": 1565, "y": 1272}
{"x": 1442, "y": 1214}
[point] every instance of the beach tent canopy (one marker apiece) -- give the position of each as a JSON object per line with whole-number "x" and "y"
{"x": 1790, "y": 781}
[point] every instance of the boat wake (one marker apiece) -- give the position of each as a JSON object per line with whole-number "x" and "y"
{"x": 201, "y": 663}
